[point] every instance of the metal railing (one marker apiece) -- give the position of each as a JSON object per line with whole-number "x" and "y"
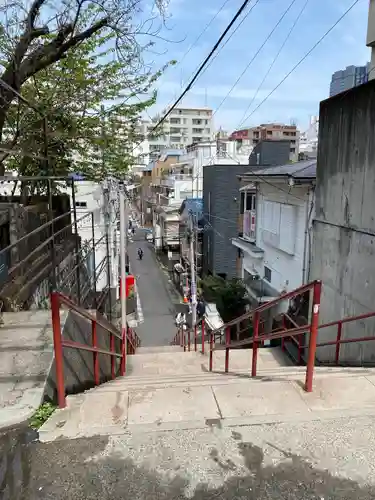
{"x": 257, "y": 338}
{"x": 338, "y": 342}
{"x": 190, "y": 336}
{"x": 129, "y": 341}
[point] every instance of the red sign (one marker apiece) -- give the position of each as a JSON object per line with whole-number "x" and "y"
{"x": 130, "y": 281}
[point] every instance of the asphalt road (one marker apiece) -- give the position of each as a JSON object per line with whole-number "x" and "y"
{"x": 313, "y": 461}
{"x": 158, "y": 300}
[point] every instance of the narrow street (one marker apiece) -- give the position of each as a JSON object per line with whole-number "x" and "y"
{"x": 155, "y": 293}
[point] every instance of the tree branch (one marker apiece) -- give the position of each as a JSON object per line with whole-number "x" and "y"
{"x": 45, "y": 55}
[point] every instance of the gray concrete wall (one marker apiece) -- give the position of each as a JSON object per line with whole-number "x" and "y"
{"x": 221, "y": 196}
{"x": 343, "y": 254}
{"x": 78, "y": 364}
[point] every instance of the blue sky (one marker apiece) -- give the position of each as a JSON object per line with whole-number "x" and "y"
{"x": 299, "y": 96}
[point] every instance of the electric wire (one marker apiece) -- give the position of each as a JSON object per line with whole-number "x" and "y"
{"x": 255, "y": 55}
{"x": 198, "y": 72}
{"x": 274, "y": 61}
{"x": 316, "y": 44}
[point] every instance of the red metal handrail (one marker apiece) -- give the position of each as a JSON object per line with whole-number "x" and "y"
{"x": 129, "y": 342}
{"x": 184, "y": 337}
{"x": 257, "y": 339}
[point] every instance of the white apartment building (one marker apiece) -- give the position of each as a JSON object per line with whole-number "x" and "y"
{"x": 96, "y": 198}
{"x": 309, "y": 139}
{"x": 184, "y": 126}
{"x": 274, "y": 250}
{"x": 192, "y": 163}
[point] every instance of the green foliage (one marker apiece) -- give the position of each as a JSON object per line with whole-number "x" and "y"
{"x": 41, "y": 415}
{"x": 93, "y": 93}
{"x": 230, "y": 296}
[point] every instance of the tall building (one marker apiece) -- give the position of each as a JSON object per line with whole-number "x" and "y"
{"x": 184, "y": 126}
{"x": 271, "y": 132}
{"x": 348, "y": 78}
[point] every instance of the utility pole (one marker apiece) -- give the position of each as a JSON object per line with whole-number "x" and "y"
{"x": 123, "y": 253}
{"x": 107, "y": 231}
{"x": 193, "y": 287}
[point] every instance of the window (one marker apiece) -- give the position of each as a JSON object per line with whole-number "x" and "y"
{"x": 175, "y": 121}
{"x": 250, "y": 201}
{"x": 267, "y": 274}
{"x": 81, "y": 204}
{"x": 242, "y": 202}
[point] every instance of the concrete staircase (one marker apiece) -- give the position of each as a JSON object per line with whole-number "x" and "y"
{"x": 166, "y": 389}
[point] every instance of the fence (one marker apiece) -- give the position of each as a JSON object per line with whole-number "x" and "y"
{"x": 46, "y": 245}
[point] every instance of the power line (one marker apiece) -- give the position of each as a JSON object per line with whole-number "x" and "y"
{"x": 230, "y": 36}
{"x": 204, "y": 31}
{"x": 304, "y": 57}
{"x": 274, "y": 61}
{"x": 197, "y": 39}
{"x": 255, "y": 55}
{"x": 201, "y": 67}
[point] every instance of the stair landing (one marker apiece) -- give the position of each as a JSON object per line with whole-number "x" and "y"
{"x": 174, "y": 390}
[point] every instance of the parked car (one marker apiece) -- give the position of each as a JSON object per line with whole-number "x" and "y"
{"x": 149, "y": 235}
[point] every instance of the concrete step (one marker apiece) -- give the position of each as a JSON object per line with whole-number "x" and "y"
{"x": 220, "y": 378}
{"x": 157, "y": 349}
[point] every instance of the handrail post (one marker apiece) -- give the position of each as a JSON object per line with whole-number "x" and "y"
{"x": 112, "y": 349}
{"x": 313, "y": 336}
{"x": 211, "y": 352}
{"x": 227, "y": 342}
{"x": 283, "y": 338}
{"x": 59, "y": 359}
{"x": 95, "y": 354}
{"x": 338, "y": 345}
{"x": 203, "y": 336}
{"x": 123, "y": 351}
{"x": 189, "y": 339}
{"x": 255, "y": 344}
{"x": 195, "y": 338}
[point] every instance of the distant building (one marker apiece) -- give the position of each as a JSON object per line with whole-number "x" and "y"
{"x": 252, "y": 136}
{"x": 184, "y": 126}
{"x": 269, "y": 153}
{"x": 308, "y": 146}
{"x": 346, "y": 79}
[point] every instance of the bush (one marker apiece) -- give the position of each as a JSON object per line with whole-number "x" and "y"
{"x": 230, "y": 296}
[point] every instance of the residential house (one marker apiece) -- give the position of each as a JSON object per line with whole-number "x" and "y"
{"x": 274, "y": 248}
{"x": 190, "y": 230}
{"x": 220, "y": 211}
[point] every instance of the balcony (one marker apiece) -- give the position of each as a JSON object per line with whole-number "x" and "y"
{"x": 171, "y": 179}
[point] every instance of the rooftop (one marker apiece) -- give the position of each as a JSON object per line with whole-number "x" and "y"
{"x": 301, "y": 170}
